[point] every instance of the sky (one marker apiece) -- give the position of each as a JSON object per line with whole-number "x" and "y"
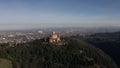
{"x": 28, "y": 14}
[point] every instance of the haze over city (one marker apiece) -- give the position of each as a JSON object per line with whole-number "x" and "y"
{"x": 26, "y": 14}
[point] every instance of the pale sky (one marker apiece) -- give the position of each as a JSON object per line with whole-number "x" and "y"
{"x": 26, "y": 14}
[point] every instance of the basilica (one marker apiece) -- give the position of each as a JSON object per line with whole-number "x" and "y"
{"x": 54, "y": 38}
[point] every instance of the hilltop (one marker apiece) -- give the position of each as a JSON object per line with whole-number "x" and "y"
{"x": 39, "y": 54}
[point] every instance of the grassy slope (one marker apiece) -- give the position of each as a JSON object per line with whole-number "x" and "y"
{"x": 4, "y": 63}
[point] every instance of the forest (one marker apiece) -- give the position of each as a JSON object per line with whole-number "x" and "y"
{"x": 108, "y": 42}
{"x": 40, "y": 54}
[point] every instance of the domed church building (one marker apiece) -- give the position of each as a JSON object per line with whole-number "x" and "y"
{"x": 54, "y": 38}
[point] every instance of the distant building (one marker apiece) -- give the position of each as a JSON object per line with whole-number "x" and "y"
{"x": 40, "y": 32}
{"x": 54, "y": 38}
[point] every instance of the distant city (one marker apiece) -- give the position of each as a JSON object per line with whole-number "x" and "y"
{"x": 29, "y": 35}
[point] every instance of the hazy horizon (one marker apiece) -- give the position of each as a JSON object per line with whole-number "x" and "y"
{"x": 29, "y": 14}
{"x": 30, "y": 27}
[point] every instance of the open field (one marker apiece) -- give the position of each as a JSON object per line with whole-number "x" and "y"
{"x": 4, "y": 63}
